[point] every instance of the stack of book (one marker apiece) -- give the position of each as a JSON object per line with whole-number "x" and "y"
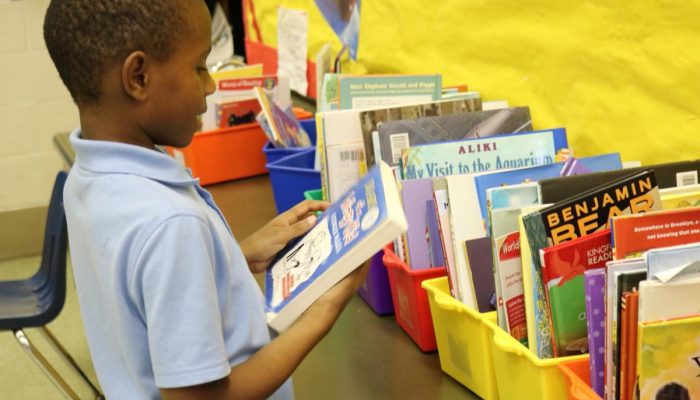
{"x": 572, "y": 251}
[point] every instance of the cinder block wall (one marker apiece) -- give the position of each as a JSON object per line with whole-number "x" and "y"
{"x": 34, "y": 106}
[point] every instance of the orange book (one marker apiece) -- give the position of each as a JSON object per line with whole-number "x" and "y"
{"x": 629, "y": 373}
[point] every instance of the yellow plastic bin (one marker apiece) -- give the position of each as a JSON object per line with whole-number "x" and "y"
{"x": 521, "y": 375}
{"x": 463, "y": 341}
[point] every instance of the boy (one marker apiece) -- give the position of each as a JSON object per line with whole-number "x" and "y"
{"x": 169, "y": 305}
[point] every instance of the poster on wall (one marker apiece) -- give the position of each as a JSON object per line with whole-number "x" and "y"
{"x": 344, "y": 18}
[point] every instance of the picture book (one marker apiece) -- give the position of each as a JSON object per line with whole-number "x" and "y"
{"x": 534, "y": 174}
{"x": 341, "y": 133}
{"x": 518, "y": 194}
{"x": 241, "y": 89}
{"x": 621, "y": 277}
{"x": 628, "y": 346}
{"x": 563, "y": 266}
{"x": 665, "y": 263}
{"x": 668, "y": 363}
{"x": 414, "y": 195}
{"x": 285, "y": 127}
{"x": 372, "y": 118}
{"x": 676, "y": 298}
{"x": 507, "y": 271}
{"x": 480, "y": 262}
{"x": 373, "y": 91}
{"x": 442, "y": 206}
{"x": 233, "y": 113}
{"x": 594, "y": 283}
{"x": 516, "y": 150}
{"x": 395, "y": 136}
{"x": 636, "y": 233}
{"x": 437, "y": 257}
{"x": 538, "y": 331}
{"x": 348, "y": 233}
{"x": 681, "y": 199}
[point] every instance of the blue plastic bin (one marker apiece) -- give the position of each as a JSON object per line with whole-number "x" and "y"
{"x": 273, "y": 154}
{"x": 291, "y": 176}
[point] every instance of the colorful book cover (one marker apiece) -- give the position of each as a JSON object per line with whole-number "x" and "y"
{"x": 519, "y": 194}
{"x": 284, "y": 126}
{"x": 414, "y": 195}
{"x": 233, "y": 113}
{"x": 394, "y": 136}
{"x": 628, "y": 362}
{"x": 348, "y": 233}
{"x": 480, "y": 264}
{"x": 563, "y": 266}
{"x": 538, "y": 339}
{"x": 442, "y": 205}
{"x": 374, "y": 91}
{"x": 371, "y": 119}
{"x": 672, "y": 201}
{"x": 515, "y": 150}
{"x": 594, "y": 282}
{"x": 668, "y": 363}
{"x": 437, "y": 257}
{"x": 636, "y": 233}
{"x": 235, "y": 89}
{"x": 533, "y": 174}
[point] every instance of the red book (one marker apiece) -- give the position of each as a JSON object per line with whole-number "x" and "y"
{"x": 636, "y": 233}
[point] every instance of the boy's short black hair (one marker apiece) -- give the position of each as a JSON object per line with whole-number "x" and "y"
{"x": 85, "y": 36}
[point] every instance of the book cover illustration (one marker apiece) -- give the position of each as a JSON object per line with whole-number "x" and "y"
{"x": 519, "y": 194}
{"x": 372, "y": 118}
{"x": 396, "y": 135}
{"x": 680, "y": 200}
{"x": 534, "y": 174}
{"x": 668, "y": 262}
{"x": 242, "y": 89}
{"x": 515, "y": 150}
{"x": 594, "y": 283}
{"x": 237, "y": 112}
{"x": 350, "y": 231}
{"x": 591, "y": 211}
{"x": 668, "y": 363}
{"x": 374, "y": 91}
{"x": 285, "y": 128}
{"x": 563, "y": 268}
{"x": 634, "y": 234}
{"x": 678, "y": 297}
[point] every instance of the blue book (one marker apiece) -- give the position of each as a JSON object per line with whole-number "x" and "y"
{"x": 604, "y": 162}
{"x": 514, "y": 150}
{"x": 363, "y": 220}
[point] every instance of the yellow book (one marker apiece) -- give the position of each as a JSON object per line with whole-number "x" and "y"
{"x": 681, "y": 200}
{"x": 242, "y": 72}
{"x": 668, "y": 360}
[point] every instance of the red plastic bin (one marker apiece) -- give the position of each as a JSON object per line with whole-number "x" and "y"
{"x": 577, "y": 376}
{"x": 411, "y": 307}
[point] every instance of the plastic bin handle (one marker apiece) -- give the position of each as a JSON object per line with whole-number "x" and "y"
{"x": 579, "y": 390}
{"x": 505, "y": 344}
{"x": 446, "y": 302}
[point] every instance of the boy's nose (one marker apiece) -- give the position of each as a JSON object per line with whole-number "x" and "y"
{"x": 210, "y": 87}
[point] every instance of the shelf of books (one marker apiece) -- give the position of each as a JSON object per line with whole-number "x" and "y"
{"x": 549, "y": 274}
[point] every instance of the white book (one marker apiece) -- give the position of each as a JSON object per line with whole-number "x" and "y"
{"x": 354, "y": 228}
{"x": 677, "y": 298}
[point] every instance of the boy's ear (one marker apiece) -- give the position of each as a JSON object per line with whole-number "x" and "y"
{"x": 135, "y": 77}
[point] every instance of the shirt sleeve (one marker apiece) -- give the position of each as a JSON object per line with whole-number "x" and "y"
{"x": 174, "y": 288}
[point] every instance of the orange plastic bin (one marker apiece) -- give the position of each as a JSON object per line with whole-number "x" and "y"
{"x": 577, "y": 374}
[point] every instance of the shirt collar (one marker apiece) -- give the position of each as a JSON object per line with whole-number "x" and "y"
{"x": 120, "y": 158}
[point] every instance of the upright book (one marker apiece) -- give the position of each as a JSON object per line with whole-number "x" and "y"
{"x": 393, "y": 137}
{"x": 349, "y": 232}
{"x": 668, "y": 363}
{"x": 594, "y": 282}
{"x": 636, "y": 233}
{"x": 563, "y": 268}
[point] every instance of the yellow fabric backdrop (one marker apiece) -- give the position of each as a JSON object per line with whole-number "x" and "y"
{"x": 619, "y": 75}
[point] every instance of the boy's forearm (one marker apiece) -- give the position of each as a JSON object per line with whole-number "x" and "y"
{"x": 271, "y": 366}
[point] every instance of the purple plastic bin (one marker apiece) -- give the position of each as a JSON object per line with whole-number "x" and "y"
{"x": 376, "y": 291}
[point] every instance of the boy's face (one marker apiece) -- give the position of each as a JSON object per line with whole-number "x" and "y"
{"x": 181, "y": 83}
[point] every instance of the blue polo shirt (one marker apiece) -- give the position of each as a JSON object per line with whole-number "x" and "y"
{"x": 165, "y": 293}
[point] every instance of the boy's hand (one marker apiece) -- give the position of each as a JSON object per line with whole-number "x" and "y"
{"x": 261, "y": 247}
